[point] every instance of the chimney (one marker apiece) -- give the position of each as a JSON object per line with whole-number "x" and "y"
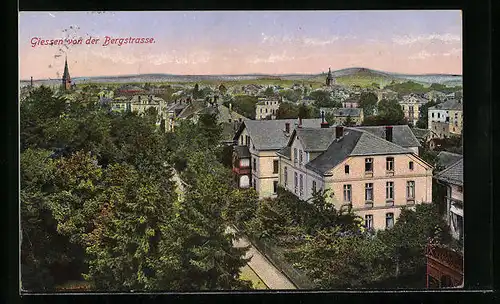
{"x": 339, "y": 132}
{"x": 388, "y": 133}
{"x": 324, "y": 124}
{"x": 300, "y": 123}
{"x": 287, "y": 127}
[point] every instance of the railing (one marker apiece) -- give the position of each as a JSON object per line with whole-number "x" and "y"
{"x": 276, "y": 256}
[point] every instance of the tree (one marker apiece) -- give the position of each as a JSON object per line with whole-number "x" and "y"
{"x": 269, "y": 92}
{"x": 222, "y": 89}
{"x": 196, "y": 91}
{"x": 424, "y": 111}
{"x": 368, "y": 102}
{"x": 390, "y": 112}
{"x": 304, "y": 112}
{"x": 287, "y": 110}
{"x": 407, "y": 240}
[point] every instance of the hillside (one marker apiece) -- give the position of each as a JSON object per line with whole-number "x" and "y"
{"x": 350, "y": 76}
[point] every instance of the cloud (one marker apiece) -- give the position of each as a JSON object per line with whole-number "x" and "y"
{"x": 409, "y": 39}
{"x": 306, "y": 41}
{"x": 425, "y": 54}
{"x": 272, "y": 58}
{"x": 118, "y": 56}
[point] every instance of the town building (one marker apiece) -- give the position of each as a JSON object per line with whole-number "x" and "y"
{"x": 372, "y": 176}
{"x": 386, "y": 94}
{"x": 343, "y": 115}
{"x": 452, "y": 178}
{"x": 350, "y": 103}
{"x": 411, "y": 104}
{"x": 402, "y": 136}
{"x": 266, "y": 108}
{"x": 445, "y": 119}
{"x": 255, "y": 162}
{"x": 436, "y": 96}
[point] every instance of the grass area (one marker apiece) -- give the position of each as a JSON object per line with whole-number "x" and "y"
{"x": 248, "y": 274}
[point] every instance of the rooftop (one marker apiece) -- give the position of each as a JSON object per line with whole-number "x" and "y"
{"x": 270, "y": 134}
{"x": 402, "y": 135}
{"x": 354, "y": 142}
{"x": 451, "y": 104}
{"x": 446, "y": 159}
{"x": 453, "y": 174}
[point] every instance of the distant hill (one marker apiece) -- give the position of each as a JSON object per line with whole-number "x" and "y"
{"x": 349, "y": 76}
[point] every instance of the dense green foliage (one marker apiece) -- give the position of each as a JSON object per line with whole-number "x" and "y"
{"x": 324, "y": 100}
{"x": 288, "y": 110}
{"x": 389, "y": 112}
{"x": 368, "y": 102}
{"x": 332, "y": 246}
{"x": 424, "y": 110}
{"x": 244, "y": 105}
{"x": 102, "y": 200}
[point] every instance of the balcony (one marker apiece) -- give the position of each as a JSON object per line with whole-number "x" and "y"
{"x": 368, "y": 173}
{"x": 389, "y": 202}
{"x": 389, "y": 173}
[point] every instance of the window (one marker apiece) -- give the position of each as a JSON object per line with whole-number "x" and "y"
{"x": 314, "y": 186}
{"x": 439, "y": 115}
{"x": 275, "y": 166}
{"x": 294, "y": 156}
{"x": 300, "y": 157}
{"x": 369, "y": 192}
{"x": 410, "y": 190}
{"x": 260, "y": 110}
{"x": 241, "y": 140}
{"x": 410, "y": 165}
{"x": 347, "y": 193}
{"x": 247, "y": 139}
{"x": 295, "y": 182}
{"x": 389, "y": 164}
{"x": 369, "y": 221}
{"x": 389, "y": 191}
{"x": 460, "y": 189}
{"x": 285, "y": 178}
{"x": 389, "y": 220}
{"x": 254, "y": 164}
{"x": 346, "y": 169}
{"x": 369, "y": 165}
{"x": 301, "y": 183}
{"x": 275, "y": 187}
{"x": 432, "y": 114}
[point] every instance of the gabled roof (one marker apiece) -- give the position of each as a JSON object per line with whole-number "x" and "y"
{"x": 453, "y": 174}
{"x": 446, "y": 159}
{"x": 286, "y": 152}
{"x": 270, "y": 134}
{"x": 354, "y": 143}
{"x": 451, "y": 104}
{"x": 420, "y": 133}
{"x": 402, "y": 135}
{"x": 314, "y": 139}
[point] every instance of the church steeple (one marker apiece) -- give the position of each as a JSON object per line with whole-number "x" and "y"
{"x": 329, "y": 78}
{"x": 66, "y": 79}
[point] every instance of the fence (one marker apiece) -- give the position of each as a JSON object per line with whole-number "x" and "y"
{"x": 277, "y": 257}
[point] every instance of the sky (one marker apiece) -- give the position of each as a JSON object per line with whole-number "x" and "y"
{"x": 237, "y": 42}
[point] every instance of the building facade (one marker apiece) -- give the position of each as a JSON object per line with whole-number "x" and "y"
{"x": 372, "y": 175}
{"x": 255, "y": 159}
{"x": 267, "y": 108}
{"x": 343, "y": 115}
{"x": 446, "y": 118}
{"x": 411, "y": 105}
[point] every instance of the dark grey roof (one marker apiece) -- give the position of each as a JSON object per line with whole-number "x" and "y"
{"x": 445, "y": 158}
{"x": 401, "y": 135}
{"x": 336, "y": 153}
{"x": 453, "y": 174}
{"x": 314, "y": 139}
{"x": 354, "y": 143}
{"x": 370, "y": 144}
{"x": 270, "y": 135}
{"x": 286, "y": 151}
{"x": 450, "y": 104}
{"x": 242, "y": 151}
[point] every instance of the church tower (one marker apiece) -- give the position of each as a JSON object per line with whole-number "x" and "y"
{"x": 66, "y": 79}
{"x": 329, "y": 78}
